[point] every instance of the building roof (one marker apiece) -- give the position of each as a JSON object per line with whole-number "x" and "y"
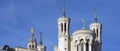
{"x": 83, "y": 31}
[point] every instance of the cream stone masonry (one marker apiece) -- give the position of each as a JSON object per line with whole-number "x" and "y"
{"x": 81, "y": 40}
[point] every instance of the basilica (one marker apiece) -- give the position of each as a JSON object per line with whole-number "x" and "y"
{"x": 80, "y": 40}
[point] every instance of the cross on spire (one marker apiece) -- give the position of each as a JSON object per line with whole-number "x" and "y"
{"x": 40, "y": 38}
{"x": 64, "y": 8}
{"x": 95, "y": 15}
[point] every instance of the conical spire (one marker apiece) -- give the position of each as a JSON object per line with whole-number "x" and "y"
{"x": 64, "y": 8}
{"x": 40, "y": 38}
{"x": 95, "y": 15}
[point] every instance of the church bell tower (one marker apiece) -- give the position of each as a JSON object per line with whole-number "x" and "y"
{"x": 63, "y": 32}
{"x": 32, "y": 44}
{"x": 96, "y": 27}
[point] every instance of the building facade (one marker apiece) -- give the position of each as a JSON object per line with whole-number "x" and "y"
{"x": 81, "y": 40}
{"x": 32, "y": 44}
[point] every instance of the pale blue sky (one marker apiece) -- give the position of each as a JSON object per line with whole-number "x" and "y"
{"x": 17, "y": 17}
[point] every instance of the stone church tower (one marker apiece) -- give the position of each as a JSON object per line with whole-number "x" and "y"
{"x": 96, "y": 27}
{"x": 81, "y": 40}
{"x": 32, "y": 44}
{"x": 63, "y": 32}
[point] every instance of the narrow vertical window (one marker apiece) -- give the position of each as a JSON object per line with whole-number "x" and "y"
{"x": 94, "y": 30}
{"x": 30, "y": 46}
{"x": 65, "y": 27}
{"x": 97, "y": 32}
{"x": 77, "y": 48}
{"x": 61, "y": 26}
{"x": 87, "y": 45}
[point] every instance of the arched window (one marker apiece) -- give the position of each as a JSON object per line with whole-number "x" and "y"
{"x": 29, "y": 46}
{"x": 61, "y": 26}
{"x": 65, "y": 27}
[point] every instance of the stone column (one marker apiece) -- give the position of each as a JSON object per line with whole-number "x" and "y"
{"x": 84, "y": 47}
{"x": 90, "y": 46}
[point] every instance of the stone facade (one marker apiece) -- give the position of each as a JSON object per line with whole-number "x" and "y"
{"x": 81, "y": 40}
